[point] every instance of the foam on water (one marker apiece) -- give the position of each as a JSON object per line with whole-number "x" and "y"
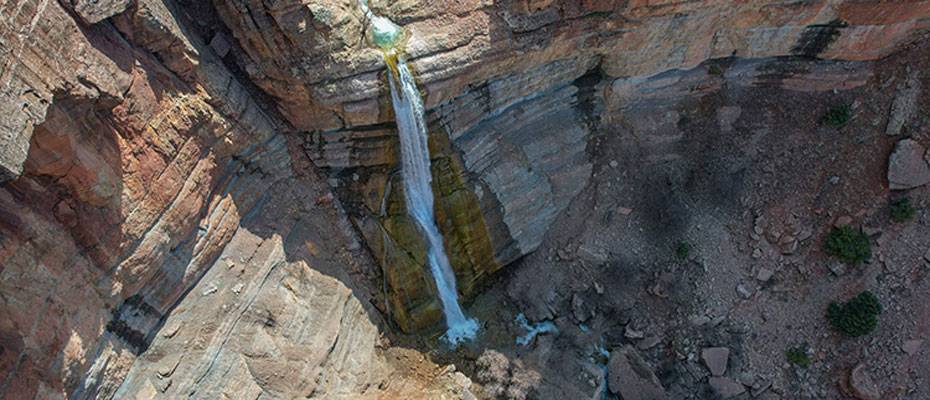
{"x": 532, "y": 330}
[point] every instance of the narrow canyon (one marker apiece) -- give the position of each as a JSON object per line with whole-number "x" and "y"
{"x": 465, "y": 199}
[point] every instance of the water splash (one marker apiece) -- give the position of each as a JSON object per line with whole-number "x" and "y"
{"x": 417, "y": 177}
{"x": 533, "y": 330}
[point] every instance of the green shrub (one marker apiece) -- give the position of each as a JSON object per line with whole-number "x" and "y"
{"x": 798, "y": 356}
{"x": 902, "y": 210}
{"x": 682, "y": 250}
{"x": 714, "y": 70}
{"x": 837, "y": 116}
{"x": 848, "y": 244}
{"x": 856, "y": 317}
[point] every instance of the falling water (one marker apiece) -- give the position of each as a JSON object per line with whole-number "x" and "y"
{"x": 418, "y": 193}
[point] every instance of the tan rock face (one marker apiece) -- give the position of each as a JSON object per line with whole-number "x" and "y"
{"x": 501, "y": 80}
{"x": 159, "y": 211}
{"x": 163, "y": 233}
{"x": 468, "y": 42}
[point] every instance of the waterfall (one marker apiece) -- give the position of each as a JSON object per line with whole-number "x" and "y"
{"x": 418, "y": 193}
{"x": 417, "y": 178}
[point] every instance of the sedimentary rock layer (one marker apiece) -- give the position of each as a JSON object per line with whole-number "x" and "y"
{"x": 159, "y": 211}
{"x": 156, "y": 197}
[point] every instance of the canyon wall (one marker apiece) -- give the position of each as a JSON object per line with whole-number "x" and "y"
{"x": 160, "y": 224}
{"x": 201, "y": 199}
{"x": 515, "y": 89}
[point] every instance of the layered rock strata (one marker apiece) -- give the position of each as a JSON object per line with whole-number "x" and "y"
{"x": 161, "y": 240}
{"x": 156, "y": 199}
{"x": 497, "y": 78}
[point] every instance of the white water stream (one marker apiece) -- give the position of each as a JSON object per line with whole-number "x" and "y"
{"x": 417, "y": 177}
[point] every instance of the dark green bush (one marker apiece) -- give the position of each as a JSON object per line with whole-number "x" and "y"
{"x": 837, "y": 116}
{"x": 798, "y": 356}
{"x": 856, "y": 317}
{"x": 714, "y": 70}
{"x": 683, "y": 250}
{"x": 902, "y": 210}
{"x": 848, "y": 244}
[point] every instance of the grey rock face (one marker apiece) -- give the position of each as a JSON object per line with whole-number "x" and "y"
{"x": 94, "y": 11}
{"x": 22, "y": 108}
{"x": 907, "y": 167}
{"x": 631, "y": 377}
{"x": 904, "y": 106}
{"x": 527, "y": 148}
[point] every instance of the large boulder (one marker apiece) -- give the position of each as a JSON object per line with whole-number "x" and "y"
{"x": 905, "y": 104}
{"x": 726, "y": 388}
{"x": 629, "y": 376}
{"x": 861, "y": 384}
{"x": 908, "y": 167}
{"x": 716, "y": 359}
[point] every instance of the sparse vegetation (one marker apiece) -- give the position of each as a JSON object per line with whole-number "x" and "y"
{"x": 798, "y": 356}
{"x": 837, "y": 116}
{"x": 714, "y": 70}
{"x": 848, "y": 244}
{"x": 902, "y": 210}
{"x": 856, "y": 317}
{"x": 683, "y": 250}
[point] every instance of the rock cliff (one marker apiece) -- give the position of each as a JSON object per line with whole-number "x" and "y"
{"x": 200, "y": 199}
{"x": 517, "y": 88}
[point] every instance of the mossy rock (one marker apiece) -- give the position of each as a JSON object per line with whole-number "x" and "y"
{"x": 411, "y": 289}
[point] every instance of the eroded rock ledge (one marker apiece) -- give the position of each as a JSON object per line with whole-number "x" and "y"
{"x": 163, "y": 231}
{"x": 514, "y": 89}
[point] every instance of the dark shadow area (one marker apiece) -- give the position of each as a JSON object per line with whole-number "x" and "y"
{"x": 690, "y": 165}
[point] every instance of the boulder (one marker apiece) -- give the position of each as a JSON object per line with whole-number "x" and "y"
{"x": 907, "y": 167}
{"x": 912, "y": 347}
{"x": 631, "y": 377}
{"x": 715, "y": 358}
{"x": 726, "y": 387}
{"x": 861, "y": 384}
{"x": 905, "y": 104}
